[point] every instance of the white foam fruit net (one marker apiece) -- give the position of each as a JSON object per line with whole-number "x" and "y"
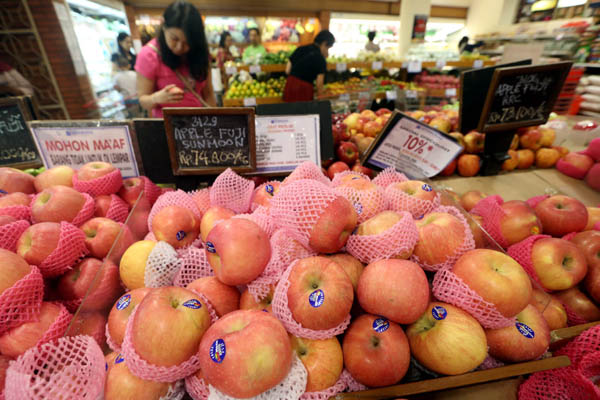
{"x": 232, "y": 191}
{"x": 161, "y": 266}
{"x": 194, "y": 265}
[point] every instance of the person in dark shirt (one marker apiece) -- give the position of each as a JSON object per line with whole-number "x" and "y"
{"x": 306, "y": 65}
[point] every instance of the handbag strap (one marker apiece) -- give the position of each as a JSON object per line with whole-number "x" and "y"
{"x": 185, "y": 82}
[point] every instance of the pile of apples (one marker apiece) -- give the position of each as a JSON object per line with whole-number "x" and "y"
{"x": 247, "y": 350}
{"x": 438, "y": 81}
{"x": 583, "y": 165}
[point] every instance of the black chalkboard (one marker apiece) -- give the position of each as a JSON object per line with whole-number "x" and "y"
{"x": 209, "y": 140}
{"x": 17, "y": 147}
{"x": 522, "y": 96}
{"x": 474, "y": 87}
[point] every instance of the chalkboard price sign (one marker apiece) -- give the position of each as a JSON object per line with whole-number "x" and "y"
{"x": 205, "y": 141}
{"x": 17, "y": 148}
{"x": 522, "y": 96}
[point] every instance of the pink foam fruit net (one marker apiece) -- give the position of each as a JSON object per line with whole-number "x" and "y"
{"x": 260, "y": 216}
{"x": 18, "y": 212}
{"x": 197, "y": 388}
{"x": 21, "y": 302}
{"x": 521, "y": 252}
{"x": 491, "y": 212}
{"x": 232, "y": 191}
{"x": 71, "y": 367}
{"x": 118, "y": 209}
{"x": 107, "y": 184}
{"x": 367, "y": 203}
{"x": 194, "y": 265}
{"x": 338, "y": 178}
{"x": 10, "y": 234}
{"x": 397, "y": 200}
{"x": 389, "y": 176}
{"x": 202, "y": 199}
{"x": 70, "y": 249}
{"x": 307, "y": 170}
{"x": 400, "y": 238}
{"x": 58, "y": 328}
{"x": 331, "y": 391}
{"x": 281, "y": 310}
{"x": 174, "y": 198}
{"x": 468, "y": 243}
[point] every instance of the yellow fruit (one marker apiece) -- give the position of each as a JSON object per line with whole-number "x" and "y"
{"x": 133, "y": 264}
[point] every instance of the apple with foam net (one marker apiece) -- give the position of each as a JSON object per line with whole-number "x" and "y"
{"x": 120, "y": 312}
{"x": 223, "y": 298}
{"x": 14, "y": 268}
{"x": 212, "y": 217}
{"x": 335, "y": 224}
{"x": 15, "y": 180}
{"x": 441, "y": 235}
{"x": 558, "y": 263}
{"x": 176, "y": 225}
{"x": 101, "y": 233}
{"x": 93, "y": 170}
{"x": 59, "y": 175}
{"x": 323, "y": 360}
{"x": 38, "y": 242}
{"x": 56, "y": 204}
{"x": 247, "y": 301}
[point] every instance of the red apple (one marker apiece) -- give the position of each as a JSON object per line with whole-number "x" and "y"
{"x": 93, "y": 170}
{"x": 101, "y": 235}
{"x": 131, "y": 189}
{"x": 56, "y": 204}
{"x": 16, "y": 341}
{"x": 468, "y": 165}
{"x": 334, "y": 226}
{"x": 366, "y": 197}
{"x": 138, "y": 221}
{"x": 14, "y": 199}
{"x": 369, "y": 114}
{"x": 320, "y": 294}
{"x": 168, "y": 325}
{"x": 447, "y": 340}
{"x": 552, "y": 310}
{"x": 38, "y": 242}
{"x": 119, "y": 314}
{"x": 14, "y": 180}
{"x": 574, "y": 299}
{"x": 376, "y": 351}
{"x": 247, "y": 301}
{"x": 470, "y": 199}
{"x": 395, "y": 289}
{"x": 417, "y": 189}
{"x": 479, "y": 236}
{"x": 176, "y": 225}
{"x": 336, "y": 167}
{"x": 350, "y": 265}
{"x": 450, "y": 168}
{"x": 531, "y": 139}
{"x": 558, "y": 263}
{"x": 441, "y": 236}
{"x": 212, "y": 217}
{"x": 323, "y": 360}
{"x": 474, "y": 142}
{"x": 593, "y": 218}
{"x": 245, "y": 353}
{"x": 363, "y": 170}
{"x": 575, "y": 165}
{"x": 238, "y": 250}
{"x": 526, "y": 158}
{"x": 101, "y": 292}
{"x": 372, "y": 128}
{"x": 264, "y": 193}
{"x": 4, "y": 360}
{"x": 588, "y": 243}
{"x": 592, "y": 178}
{"x": 512, "y": 162}
{"x": 526, "y": 340}
{"x": 546, "y": 158}
{"x": 519, "y": 222}
{"x": 102, "y": 204}
{"x": 497, "y": 278}
{"x": 224, "y": 299}
{"x": 548, "y": 136}
{"x": 347, "y": 152}
{"x": 382, "y": 111}
{"x": 14, "y": 268}
{"x": 59, "y": 175}
{"x": 561, "y": 215}
{"x": 91, "y": 323}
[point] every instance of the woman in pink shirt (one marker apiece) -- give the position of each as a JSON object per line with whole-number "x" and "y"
{"x": 174, "y": 69}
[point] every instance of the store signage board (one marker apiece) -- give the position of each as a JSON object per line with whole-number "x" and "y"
{"x": 522, "y": 96}
{"x": 284, "y": 142}
{"x": 17, "y": 147}
{"x": 75, "y": 143}
{"x": 411, "y": 147}
{"x": 206, "y": 141}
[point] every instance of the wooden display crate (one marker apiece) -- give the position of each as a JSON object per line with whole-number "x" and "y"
{"x": 259, "y": 100}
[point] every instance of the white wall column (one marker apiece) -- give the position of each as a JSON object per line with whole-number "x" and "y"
{"x": 408, "y": 10}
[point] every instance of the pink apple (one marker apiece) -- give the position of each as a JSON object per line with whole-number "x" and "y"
{"x": 552, "y": 310}
{"x": 14, "y": 268}
{"x": 138, "y": 221}
{"x": 395, "y": 289}
{"x": 350, "y": 265}
{"x": 16, "y": 341}
{"x": 497, "y": 278}
{"x": 212, "y": 217}
{"x": 593, "y": 218}
{"x": 470, "y": 199}
{"x": 176, "y": 225}
{"x": 238, "y": 250}
{"x": 4, "y": 360}
{"x": 376, "y": 351}
{"x": 14, "y": 180}
{"x": 369, "y": 114}
{"x": 579, "y": 303}
{"x": 245, "y": 353}
{"x": 131, "y": 189}
{"x": 101, "y": 235}
{"x": 519, "y": 222}
{"x": 59, "y": 175}
{"x": 224, "y": 299}
{"x": 91, "y": 323}
{"x": 120, "y": 312}
{"x": 441, "y": 236}
{"x": 334, "y": 226}
{"x": 575, "y": 165}
{"x": 94, "y": 170}
{"x": 320, "y": 294}
{"x": 323, "y": 360}
{"x": 56, "y": 204}
{"x": 372, "y": 128}
{"x": 14, "y": 199}
{"x": 588, "y": 243}
{"x": 382, "y": 111}
{"x": 558, "y": 263}
{"x": 168, "y": 325}
{"x": 247, "y": 301}
{"x": 81, "y": 281}
{"x": 102, "y": 204}
{"x": 38, "y": 242}
{"x": 474, "y": 142}
{"x": 417, "y": 189}
{"x": 337, "y": 167}
{"x": 476, "y": 225}
{"x": 531, "y": 139}
{"x": 561, "y": 215}
{"x": 264, "y": 193}
{"x": 526, "y": 340}
{"x": 592, "y": 178}
{"x": 363, "y": 170}
{"x": 447, "y": 340}
{"x": 367, "y": 198}
{"x": 379, "y": 224}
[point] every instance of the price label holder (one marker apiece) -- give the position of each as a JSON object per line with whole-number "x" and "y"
{"x": 231, "y": 70}
{"x": 377, "y": 65}
{"x": 414, "y": 67}
{"x": 341, "y": 67}
{"x": 17, "y": 146}
{"x": 411, "y": 147}
{"x": 411, "y": 94}
{"x": 477, "y": 63}
{"x": 440, "y": 64}
{"x": 75, "y": 143}
{"x": 255, "y": 69}
{"x": 344, "y": 97}
{"x": 451, "y": 92}
{"x": 249, "y": 101}
{"x": 207, "y": 141}
{"x": 391, "y": 95}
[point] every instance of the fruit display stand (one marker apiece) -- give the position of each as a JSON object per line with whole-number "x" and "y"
{"x": 247, "y": 102}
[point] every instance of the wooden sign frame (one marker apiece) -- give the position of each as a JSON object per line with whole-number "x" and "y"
{"x": 512, "y": 71}
{"x": 248, "y": 112}
{"x": 20, "y": 102}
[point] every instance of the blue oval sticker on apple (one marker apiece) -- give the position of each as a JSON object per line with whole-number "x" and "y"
{"x": 439, "y": 313}
{"x": 381, "y": 325}
{"x": 192, "y": 303}
{"x": 316, "y": 298}
{"x": 269, "y": 189}
{"x": 217, "y": 351}
{"x": 119, "y": 359}
{"x": 123, "y": 302}
{"x": 426, "y": 188}
{"x": 210, "y": 247}
{"x": 180, "y": 235}
{"x": 525, "y": 330}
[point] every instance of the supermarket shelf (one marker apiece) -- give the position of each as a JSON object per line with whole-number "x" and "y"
{"x": 263, "y": 68}
{"x": 587, "y": 65}
{"x": 259, "y": 100}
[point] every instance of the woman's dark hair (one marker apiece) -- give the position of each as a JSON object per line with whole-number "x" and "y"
{"x": 255, "y": 30}
{"x": 186, "y": 17}
{"x": 464, "y": 40}
{"x": 325, "y": 36}
{"x": 371, "y": 35}
{"x": 120, "y": 37}
{"x": 223, "y": 38}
